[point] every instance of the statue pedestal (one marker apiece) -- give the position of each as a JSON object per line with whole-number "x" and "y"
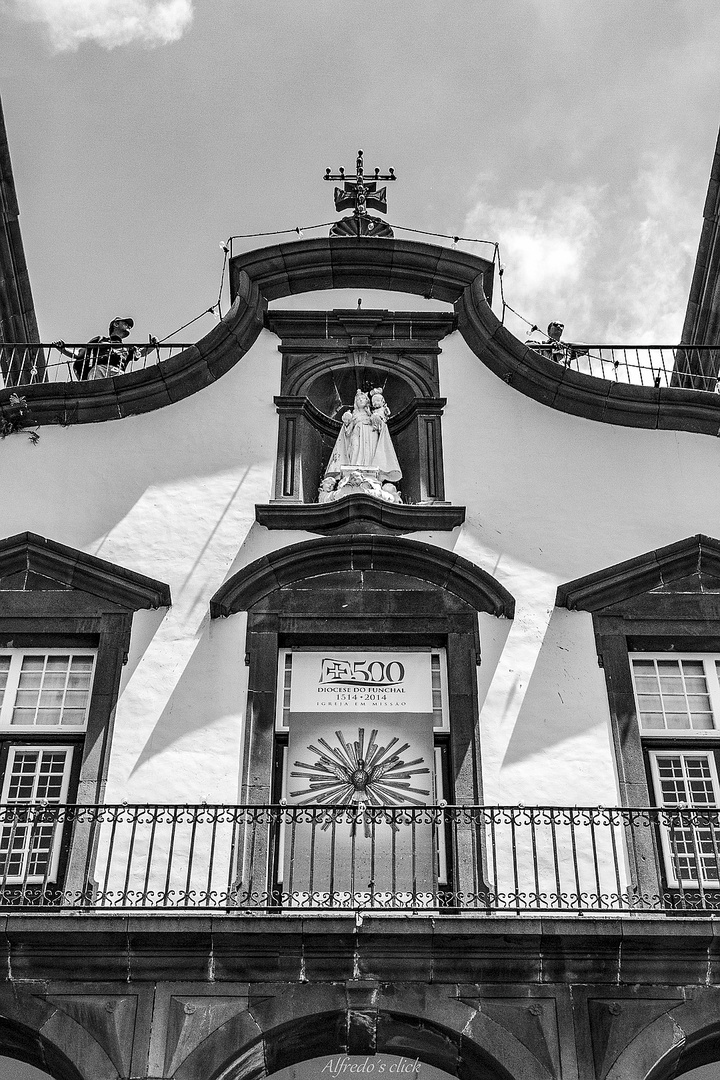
{"x": 360, "y": 480}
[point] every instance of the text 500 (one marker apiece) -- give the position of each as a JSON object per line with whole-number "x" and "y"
{"x": 362, "y": 672}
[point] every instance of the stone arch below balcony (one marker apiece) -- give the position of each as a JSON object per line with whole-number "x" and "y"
{"x": 680, "y": 1036}
{"x": 70, "y": 1038}
{"x": 293, "y": 1032}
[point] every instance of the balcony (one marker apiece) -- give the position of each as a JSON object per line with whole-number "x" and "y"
{"x": 689, "y": 367}
{"x": 684, "y": 367}
{"x": 29, "y": 364}
{"x": 482, "y": 860}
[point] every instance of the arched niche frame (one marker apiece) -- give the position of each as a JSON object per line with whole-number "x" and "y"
{"x": 356, "y": 592}
{"x": 327, "y": 357}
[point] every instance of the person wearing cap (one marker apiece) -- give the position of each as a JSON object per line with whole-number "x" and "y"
{"x": 552, "y": 346}
{"x": 105, "y": 357}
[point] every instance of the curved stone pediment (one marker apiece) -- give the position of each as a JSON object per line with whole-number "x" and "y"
{"x": 395, "y": 265}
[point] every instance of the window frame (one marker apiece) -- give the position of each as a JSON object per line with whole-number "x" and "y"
{"x": 659, "y": 624}
{"x": 56, "y": 846}
{"x": 67, "y": 621}
{"x": 711, "y": 663}
{"x": 697, "y": 832}
{"x": 8, "y": 703}
{"x": 666, "y": 600}
{"x": 683, "y": 752}
{"x": 53, "y": 596}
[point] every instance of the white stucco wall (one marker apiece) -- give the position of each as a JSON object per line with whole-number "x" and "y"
{"x": 549, "y": 497}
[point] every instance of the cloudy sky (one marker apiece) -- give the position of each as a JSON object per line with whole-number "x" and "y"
{"x": 578, "y": 134}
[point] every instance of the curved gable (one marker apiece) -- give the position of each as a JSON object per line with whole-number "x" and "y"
{"x": 396, "y": 265}
{"x": 395, "y": 555}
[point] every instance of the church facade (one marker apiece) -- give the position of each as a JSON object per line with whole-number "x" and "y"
{"x": 359, "y": 694}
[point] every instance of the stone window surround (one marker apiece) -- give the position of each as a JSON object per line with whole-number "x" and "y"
{"x": 655, "y": 603}
{"x": 54, "y": 596}
{"x": 383, "y": 592}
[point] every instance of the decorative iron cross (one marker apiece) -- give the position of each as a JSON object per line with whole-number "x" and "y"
{"x": 359, "y": 193}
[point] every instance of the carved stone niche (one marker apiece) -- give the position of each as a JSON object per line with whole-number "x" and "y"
{"x": 326, "y": 357}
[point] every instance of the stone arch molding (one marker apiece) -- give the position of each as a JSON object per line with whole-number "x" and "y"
{"x": 685, "y": 1036}
{"x": 42, "y": 1032}
{"x": 393, "y": 265}
{"x": 288, "y": 1025}
{"x": 397, "y": 555}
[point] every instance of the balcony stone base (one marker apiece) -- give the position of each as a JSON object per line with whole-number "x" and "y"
{"x": 197, "y": 997}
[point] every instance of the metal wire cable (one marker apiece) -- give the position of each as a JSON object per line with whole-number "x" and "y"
{"x": 456, "y": 239}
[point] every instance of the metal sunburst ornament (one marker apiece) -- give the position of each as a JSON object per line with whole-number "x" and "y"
{"x": 352, "y": 773}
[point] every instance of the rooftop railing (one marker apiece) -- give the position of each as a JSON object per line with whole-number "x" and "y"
{"x": 25, "y": 365}
{"x": 689, "y": 367}
{"x": 456, "y": 859}
{"x": 686, "y": 367}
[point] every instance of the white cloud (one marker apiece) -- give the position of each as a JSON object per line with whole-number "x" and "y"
{"x": 614, "y": 269}
{"x": 109, "y": 23}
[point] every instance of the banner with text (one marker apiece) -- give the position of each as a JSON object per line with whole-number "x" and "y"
{"x": 361, "y": 682}
{"x": 360, "y": 735}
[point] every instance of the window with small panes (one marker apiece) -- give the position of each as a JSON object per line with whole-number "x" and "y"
{"x": 677, "y": 699}
{"x": 45, "y": 697}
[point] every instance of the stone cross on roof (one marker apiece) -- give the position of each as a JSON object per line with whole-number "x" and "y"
{"x": 360, "y": 194}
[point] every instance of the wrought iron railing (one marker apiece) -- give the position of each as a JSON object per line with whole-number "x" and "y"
{"x": 479, "y": 859}
{"x": 685, "y": 367}
{"x": 26, "y": 364}
{"x": 689, "y": 367}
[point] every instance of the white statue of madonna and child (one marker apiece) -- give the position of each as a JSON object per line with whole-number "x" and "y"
{"x": 363, "y": 458}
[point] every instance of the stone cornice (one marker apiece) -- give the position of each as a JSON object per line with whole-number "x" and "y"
{"x": 390, "y": 330}
{"x": 360, "y": 514}
{"x": 640, "y": 948}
